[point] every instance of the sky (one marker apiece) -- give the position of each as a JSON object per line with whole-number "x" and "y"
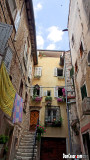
{"x": 51, "y": 17}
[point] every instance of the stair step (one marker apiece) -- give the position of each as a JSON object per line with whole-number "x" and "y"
{"x": 26, "y": 143}
{"x": 27, "y": 150}
{"x": 24, "y": 154}
{"x": 26, "y": 147}
{"x": 27, "y": 140}
{"x": 23, "y": 158}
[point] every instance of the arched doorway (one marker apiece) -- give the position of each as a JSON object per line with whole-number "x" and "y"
{"x": 34, "y": 116}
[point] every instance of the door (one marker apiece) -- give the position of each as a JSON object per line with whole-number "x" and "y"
{"x": 34, "y": 116}
{"x": 52, "y": 148}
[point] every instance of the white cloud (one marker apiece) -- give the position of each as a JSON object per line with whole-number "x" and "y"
{"x": 55, "y": 34}
{"x": 40, "y": 42}
{"x": 51, "y": 47}
{"x": 38, "y": 7}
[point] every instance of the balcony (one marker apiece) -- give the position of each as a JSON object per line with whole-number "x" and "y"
{"x": 49, "y": 122}
{"x": 86, "y": 106}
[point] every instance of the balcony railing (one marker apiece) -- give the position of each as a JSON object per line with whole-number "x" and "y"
{"x": 86, "y": 106}
{"x": 49, "y": 122}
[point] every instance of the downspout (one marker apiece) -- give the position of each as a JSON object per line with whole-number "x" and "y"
{"x": 67, "y": 106}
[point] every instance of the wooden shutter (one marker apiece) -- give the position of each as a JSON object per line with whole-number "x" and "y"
{"x": 55, "y": 72}
{"x": 5, "y": 33}
{"x": 56, "y": 92}
{"x": 45, "y": 93}
{"x": 31, "y": 91}
{"x": 17, "y": 21}
{"x": 41, "y": 91}
{"x": 8, "y": 58}
{"x": 39, "y": 71}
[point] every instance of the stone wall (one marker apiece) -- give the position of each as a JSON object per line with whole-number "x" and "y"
{"x": 18, "y": 72}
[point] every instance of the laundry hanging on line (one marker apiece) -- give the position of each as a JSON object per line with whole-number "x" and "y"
{"x": 18, "y": 108}
{"x": 7, "y": 92}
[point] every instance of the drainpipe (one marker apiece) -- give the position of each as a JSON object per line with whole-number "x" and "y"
{"x": 67, "y": 106}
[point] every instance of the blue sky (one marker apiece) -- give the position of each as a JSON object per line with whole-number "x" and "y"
{"x": 51, "y": 17}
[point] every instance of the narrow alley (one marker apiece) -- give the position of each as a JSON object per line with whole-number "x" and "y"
{"x": 44, "y": 93}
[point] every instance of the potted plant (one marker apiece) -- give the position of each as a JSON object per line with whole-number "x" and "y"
{"x": 40, "y": 131}
{"x": 3, "y": 148}
{"x": 37, "y": 76}
{"x": 57, "y": 123}
{"x": 61, "y": 99}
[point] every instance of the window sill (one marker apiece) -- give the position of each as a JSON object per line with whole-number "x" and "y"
{"x": 60, "y": 77}
{"x": 37, "y": 77}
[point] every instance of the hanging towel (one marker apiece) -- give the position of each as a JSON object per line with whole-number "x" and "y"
{"x": 18, "y": 108}
{"x": 7, "y": 92}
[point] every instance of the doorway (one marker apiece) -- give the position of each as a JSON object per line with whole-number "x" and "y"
{"x": 52, "y": 148}
{"x": 34, "y": 116}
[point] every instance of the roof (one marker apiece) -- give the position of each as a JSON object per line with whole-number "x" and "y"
{"x": 50, "y": 53}
{"x": 31, "y": 23}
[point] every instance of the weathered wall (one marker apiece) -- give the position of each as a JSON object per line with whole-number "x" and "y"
{"x": 78, "y": 24}
{"x": 17, "y": 43}
{"x": 48, "y": 80}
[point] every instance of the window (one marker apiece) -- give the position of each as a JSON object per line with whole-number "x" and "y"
{"x": 83, "y": 91}
{"x": 58, "y": 72}
{"x": 38, "y": 71}
{"x": 58, "y": 92}
{"x": 47, "y": 93}
{"x": 52, "y": 114}
{"x": 36, "y": 90}
{"x": 62, "y": 60}
{"x": 21, "y": 89}
{"x": 81, "y": 49}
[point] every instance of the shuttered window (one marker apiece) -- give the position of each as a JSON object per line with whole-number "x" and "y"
{"x": 40, "y": 93}
{"x": 83, "y": 91}
{"x": 8, "y": 58}
{"x": 58, "y": 72}
{"x": 5, "y": 33}
{"x": 38, "y": 71}
{"x": 55, "y": 92}
{"x": 47, "y": 93}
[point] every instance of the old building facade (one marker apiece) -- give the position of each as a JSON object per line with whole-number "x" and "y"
{"x": 48, "y": 103}
{"x": 18, "y": 52}
{"x": 79, "y": 36}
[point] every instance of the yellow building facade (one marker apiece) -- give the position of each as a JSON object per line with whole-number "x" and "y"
{"x": 49, "y": 78}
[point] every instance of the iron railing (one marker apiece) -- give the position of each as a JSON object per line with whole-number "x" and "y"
{"x": 34, "y": 144}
